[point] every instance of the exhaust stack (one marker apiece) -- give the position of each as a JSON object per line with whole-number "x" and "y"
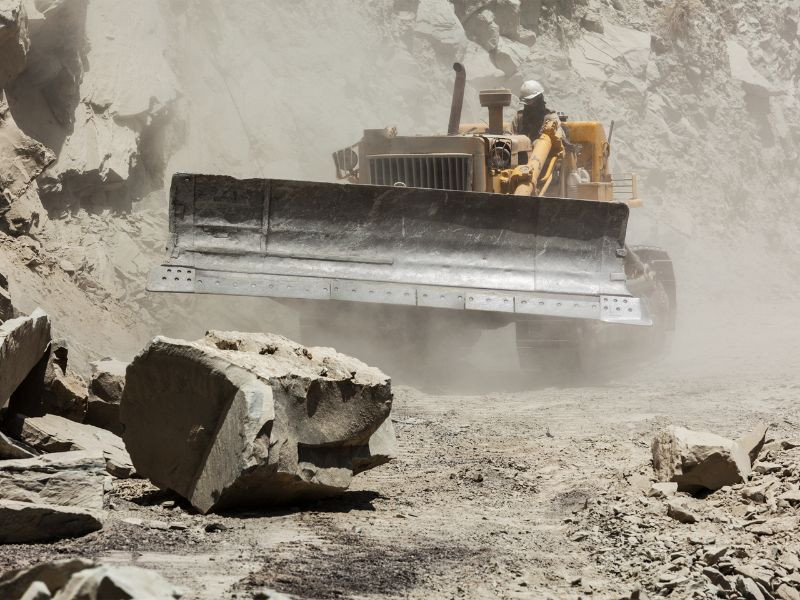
{"x": 458, "y": 99}
{"x": 495, "y": 101}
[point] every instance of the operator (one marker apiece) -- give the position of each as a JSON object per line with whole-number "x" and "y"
{"x": 531, "y": 119}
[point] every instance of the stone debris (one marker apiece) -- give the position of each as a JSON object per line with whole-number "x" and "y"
{"x": 105, "y": 394}
{"x": 737, "y": 542}
{"x": 63, "y": 478}
{"x": 26, "y": 522}
{"x": 52, "y": 433}
{"x": 23, "y": 342}
{"x": 50, "y": 388}
{"x": 54, "y": 575}
{"x": 239, "y": 419}
{"x": 703, "y": 461}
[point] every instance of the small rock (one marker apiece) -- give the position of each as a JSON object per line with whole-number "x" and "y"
{"x": 717, "y": 578}
{"x": 765, "y": 467}
{"x": 133, "y": 521}
{"x": 160, "y": 525}
{"x": 698, "y": 460}
{"x": 753, "y": 442}
{"x": 215, "y": 527}
{"x": 713, "y": 554}
{"x": 663, "y": 489}
{"x": 786, "y": 592}
{"x": 678, "y": 511}
{"x": 748, "y": 589}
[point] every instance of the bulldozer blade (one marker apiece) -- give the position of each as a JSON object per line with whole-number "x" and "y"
{"x": 398, "y": 245}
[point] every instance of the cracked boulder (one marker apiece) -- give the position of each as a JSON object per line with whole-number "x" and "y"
{"x": 247, "y": 420}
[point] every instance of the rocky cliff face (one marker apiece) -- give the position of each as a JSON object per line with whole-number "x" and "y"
{"x": 703, "y": 93}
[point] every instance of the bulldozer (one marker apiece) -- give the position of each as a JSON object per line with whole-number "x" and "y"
{"x": 435, "y": 238}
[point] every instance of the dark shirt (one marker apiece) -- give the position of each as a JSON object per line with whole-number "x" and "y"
{"x": 530, "y": 122}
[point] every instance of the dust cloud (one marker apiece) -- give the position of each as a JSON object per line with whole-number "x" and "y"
{"x": 272, "y": 92}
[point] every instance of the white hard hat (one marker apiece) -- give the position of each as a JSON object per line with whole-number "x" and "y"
{"x": 531, "y": 90}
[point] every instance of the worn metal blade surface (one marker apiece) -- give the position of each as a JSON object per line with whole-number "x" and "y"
{"x": 403, "y": 240}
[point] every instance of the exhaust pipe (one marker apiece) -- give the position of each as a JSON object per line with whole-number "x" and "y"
{"x": 458, "y": 99}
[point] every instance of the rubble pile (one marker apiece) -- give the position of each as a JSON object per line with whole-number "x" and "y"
{"x": 239, "y": 419}
{"x": 739, "y": 541}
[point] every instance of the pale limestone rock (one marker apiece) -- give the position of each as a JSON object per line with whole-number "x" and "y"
{"x": 241, "y": 419}
{"x": 743, "y": 71}
{"x": 698, "y": 460}
{"x": 62, "y": 478}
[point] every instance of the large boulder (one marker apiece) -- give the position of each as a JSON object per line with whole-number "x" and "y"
{"x": 698, "y": 460}
{"x": 53, "y": 574}
{"x": 52, "y": 433}
{"x": 481, "y": 72}
{"x": 14, "y": 42}
{"x": 51, "y": 389}
{"x": 742, "y": 70}
{"x": 240, "y": 419}
{"x": 438, "y": 28}
{"x": 26, "y": 523}
{"x": 23, "y": 342}
{"x": 482, "y": 29}
{"x": 22, "y": 160}
{"x": 510, "y": 56}
{"x": 63, "y": 478}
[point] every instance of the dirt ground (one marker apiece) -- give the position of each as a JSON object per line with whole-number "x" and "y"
{"x": 487, "y": 499}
